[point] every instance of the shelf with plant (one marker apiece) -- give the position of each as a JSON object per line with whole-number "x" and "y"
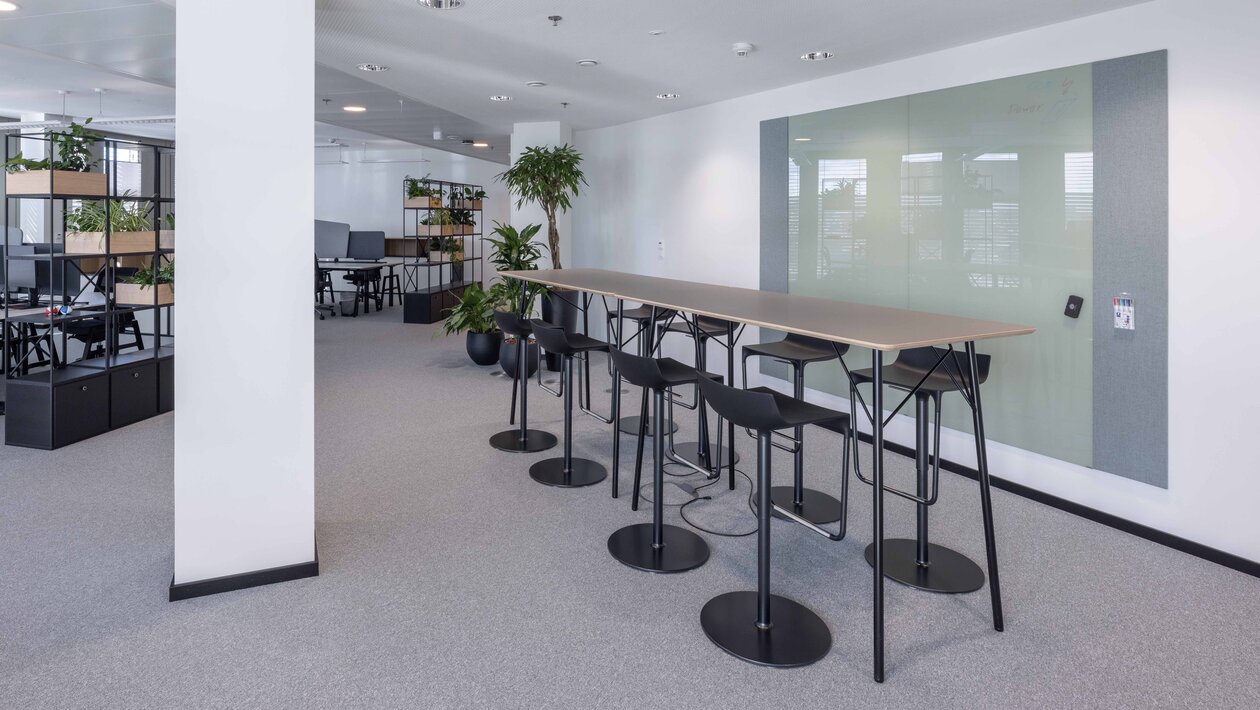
{"x": 421, "y": 193}
{"x": 67, "y": 171}
{"x": 148, "y": 287}
{"x": 437, "y": 223}
{"x": 467, "y": 198}
{"x": 128, "y": 223}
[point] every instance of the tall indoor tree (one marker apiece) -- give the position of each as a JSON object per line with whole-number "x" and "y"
{"x": 550, "y": 177}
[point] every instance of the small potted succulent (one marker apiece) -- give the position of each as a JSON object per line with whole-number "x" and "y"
{"x": 473, "y": 315}
{"x": 68, "y": 172}
{"x": 141, "y": 288}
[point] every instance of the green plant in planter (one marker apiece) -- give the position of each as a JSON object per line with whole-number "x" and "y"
{"x": 72, "y": 146}
{"x": 421, "y": 187}
{"x": 550, "y": 177}
{"x": 124, "y": 216}
{"x": 513, "y": 250}
{"x": 170, "y": 220}
{"x": 438, "y": 216}
{"x": 145, "y": 275}
{"x": 473, "y": 313}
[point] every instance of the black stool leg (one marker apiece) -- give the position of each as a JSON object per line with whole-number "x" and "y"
{"x": 760, "y": 627}
{"x": 815, "y": 506}
{"x": 655, "y": 546}
{"x": 702, "y": 453}
{"x": 566, "y": 471}
{"x": 631, "y": 425}
{"x": 523, "y": 440}
{"x": 638, "y": 453}
{"x": 919, "y": 563}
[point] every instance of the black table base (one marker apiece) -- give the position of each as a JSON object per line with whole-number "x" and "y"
{"x": 534, "y": 441}
{"x": 796, "y": 637}
{"x": 947, "y": 571}
{"x": 680, "y": 549}
{"x": 582, "y": 472}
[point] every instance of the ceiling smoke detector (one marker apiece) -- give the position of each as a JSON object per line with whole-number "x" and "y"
{"x": 667, "y": 96}
{"x": 500, "y": 97}
{"x": 816, "y": 56}
{"x": 373, "y": 67}
{"x": 742, "y": 49}
{"x": 587, "y": 63}
{"x": 535, "y": 84}
{"x": 441, "y": 4}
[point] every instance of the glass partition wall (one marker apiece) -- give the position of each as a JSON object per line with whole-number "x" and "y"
{"x": 972, "y": 201}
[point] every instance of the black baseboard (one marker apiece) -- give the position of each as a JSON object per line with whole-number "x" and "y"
{"x": 233, "y": 582}
{"x": 1211, "y": 554}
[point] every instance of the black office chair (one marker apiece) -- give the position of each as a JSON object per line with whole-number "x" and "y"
{"x": 566, "y": 471}
{"x": 760, "y": 627}
{"x": 797, "y": 351}
{"x": 920, "y": 563}
{"x": 92, "y": 333}
{"x": 522, "y": 439}
{"x": 656, "y": 547}
{"x": 323, "y": 282}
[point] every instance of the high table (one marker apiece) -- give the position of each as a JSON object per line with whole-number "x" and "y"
{"x": 877, "y": 328}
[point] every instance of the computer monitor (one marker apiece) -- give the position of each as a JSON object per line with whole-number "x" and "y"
{"x": 332, "y": 239}
{"x": 369, "y": 246}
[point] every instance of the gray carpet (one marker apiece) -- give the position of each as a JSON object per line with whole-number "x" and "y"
{"x": 450, "y": 579}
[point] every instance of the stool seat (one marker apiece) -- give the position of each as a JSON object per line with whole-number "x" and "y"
{"x": 708, "y": 327}
{"x": 554, "y": 339}
{"x": 796, "y": 349}
{"x": 641, "y": 314}
{"x": 655, "y": 373}
{"x": 911, "y": 365}
{"x": 511, "y": 324}
{"x": 798, "y": 412}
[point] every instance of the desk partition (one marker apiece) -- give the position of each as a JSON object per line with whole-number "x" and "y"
{"x": 1007, "y": 199}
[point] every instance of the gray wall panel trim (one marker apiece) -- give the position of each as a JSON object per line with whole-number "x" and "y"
{"x": 1131, "y": 255}
{"x": 774, "y": 219}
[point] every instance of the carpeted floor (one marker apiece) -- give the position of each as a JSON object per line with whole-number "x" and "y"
{"x": 450, "y": 579}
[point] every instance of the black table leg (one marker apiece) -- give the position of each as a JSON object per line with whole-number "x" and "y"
{"x": 986, "y": 497}
{"x": 877, "y": 509}
{"x": 616, "y": 405}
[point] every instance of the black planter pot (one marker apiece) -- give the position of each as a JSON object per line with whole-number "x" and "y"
{"x": 561, "y": 308}
{"x": 507, "y": 358}
{"x": 483, "y": 348}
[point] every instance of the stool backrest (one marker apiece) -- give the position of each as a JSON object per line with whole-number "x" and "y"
{"x": 752, "y": 410}
{"x": 512, "y": 325}
{"x": 922, "y": 360}
{"x": 551, "y": 337}
{"x": 639, "y": 371}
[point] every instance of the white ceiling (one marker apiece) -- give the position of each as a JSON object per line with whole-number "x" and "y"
{"x": 446, "y": 64}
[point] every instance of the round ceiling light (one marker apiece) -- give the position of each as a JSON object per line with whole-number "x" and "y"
{"x": 535, "y": 84}
{"x": 6, "y": 6}
{"x": 816, "y": 56}
{"x": 500, "y": 97}
{"x": 667, "y": 96}
{"x": 441, "y": 4}
{"x": 353, "y": 109}
{"x": 373, "y": 67}
{"x": 587, "y": 63}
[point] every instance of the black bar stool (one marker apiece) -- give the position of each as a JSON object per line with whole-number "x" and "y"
{"x": 797, "y": 351}
{"x": 522, "y": 439}
{"x": 760, "y": 627}
{"x": 656, "y": 547}
{"x": 566, "y": 471}
{"x": 640, "y": 317}
{"x": 700, "y": 455}
{"x": 391, "y": 286}
{"x": 929, "y": 373}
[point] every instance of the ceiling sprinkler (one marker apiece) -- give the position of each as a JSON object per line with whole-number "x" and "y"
{"x": 741, "y": 49}
{"x": 555, "y": 20}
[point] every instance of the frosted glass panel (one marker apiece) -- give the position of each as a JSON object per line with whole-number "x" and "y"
{"x": 973, "y": 201}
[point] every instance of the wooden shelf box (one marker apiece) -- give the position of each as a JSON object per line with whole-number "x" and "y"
{"x": 137, "y": 295}
{"x": 119, "y": 242}
{"x": 66, "y": 182}
{"x": 424, "y": 203}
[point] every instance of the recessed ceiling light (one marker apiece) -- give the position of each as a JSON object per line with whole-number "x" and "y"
{"x": 373, "y": 67}
{"x": 656, "y": 33}
{"x": 441, "y": 4}
{"x": 500, "y": 97}
{"x": 353, "y": 109}
{"x": 802, "y": 140}
{"x": 535, "y": 84}
{"x": 6, "y": 6}
{"x": 815, "y": 56}
{"x": 480, "y": 144}
{"x": 587, "y": 63}
{"x": 667, "y": 96}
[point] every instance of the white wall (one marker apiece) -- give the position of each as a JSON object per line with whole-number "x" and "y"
{"x": 544, "y": 134}
{"x": 244, "y": 416}
{"x": 691, "y": 178}
{"x": 369, "y": 196}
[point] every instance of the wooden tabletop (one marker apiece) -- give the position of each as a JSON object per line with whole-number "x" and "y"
{"x": 857, "y": 324}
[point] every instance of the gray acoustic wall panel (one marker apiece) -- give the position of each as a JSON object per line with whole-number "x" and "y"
{"x": 774, "y": 220}
{"x": 1131, "y": 256}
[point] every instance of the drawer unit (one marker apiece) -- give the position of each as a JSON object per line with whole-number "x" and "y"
{"x": 134, "y": 394}
{"x": 80, "y": 410}
{"x": 166, "y": 385}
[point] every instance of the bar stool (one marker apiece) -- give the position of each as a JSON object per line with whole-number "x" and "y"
{"x": 391, "y": 286}
{"x": 521, "y": 440}
{"x": 797, "y": 351}
{"x": 566, "y": 471}
{"x": 640, "y": 316}
{"x": 929, "y": 373}
{"x": 656, "y": 547}
{"x": 700, "y": 455}
{"x": 760, "y": 627}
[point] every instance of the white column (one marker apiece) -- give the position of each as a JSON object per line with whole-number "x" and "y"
{"x": 545, "y": 134}
{"x": 244, "y": 386}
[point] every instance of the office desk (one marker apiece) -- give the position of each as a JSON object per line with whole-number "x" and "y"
{"x": 351, "y": 266}
{"x": 877, "y": 328}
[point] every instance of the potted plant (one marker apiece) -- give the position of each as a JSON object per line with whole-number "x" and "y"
{"x": 436, "y": 223}
{"x": 421, "y": 193}
{"x": 514, "y": 250}
{"x": 468, "y": 198}
{"x": 452, "y": 249}
{"x": 127, "y": 222}
{"x": 473, "y": 314}
{"x": 68, "y": 173}
{"x": 166, "y": 237}
{"x": 139, "y": 289}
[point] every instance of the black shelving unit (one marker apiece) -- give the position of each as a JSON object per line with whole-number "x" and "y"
{"x": 431, "y": 286}
{"x": 72, "y": 375}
